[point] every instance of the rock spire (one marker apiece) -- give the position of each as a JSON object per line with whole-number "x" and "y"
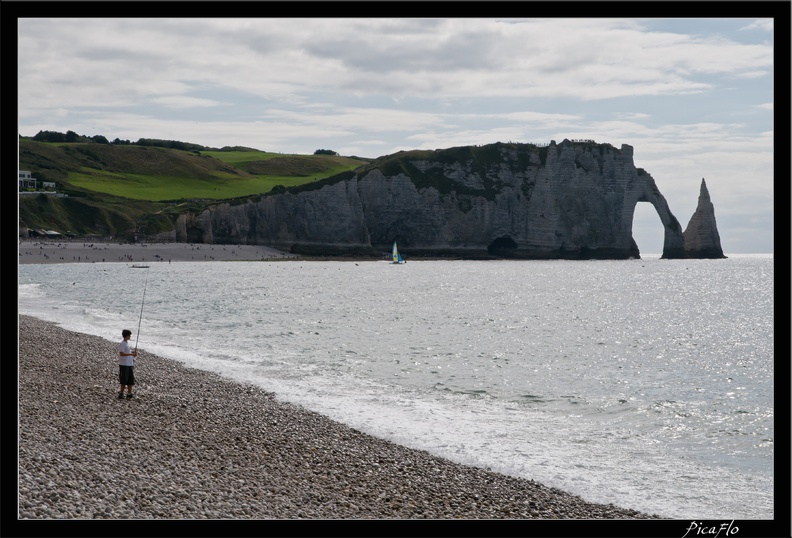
{"x": 701, "y": 235}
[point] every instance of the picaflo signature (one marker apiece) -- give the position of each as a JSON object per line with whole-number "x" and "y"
{"x": 714, "y": 531}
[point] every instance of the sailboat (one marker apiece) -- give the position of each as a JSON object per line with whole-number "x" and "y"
{"x": 395, "y": 254}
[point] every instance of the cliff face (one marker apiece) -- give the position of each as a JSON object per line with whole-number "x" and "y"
{"x": 569, "y": 200}
{"x": 701, "y": 235}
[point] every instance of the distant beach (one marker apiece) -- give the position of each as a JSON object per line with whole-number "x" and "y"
{"x": 56, "y": 251}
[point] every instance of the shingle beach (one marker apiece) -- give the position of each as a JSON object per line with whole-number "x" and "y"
{"x": 193, "y": 445}
{"x": 197, "y": 446}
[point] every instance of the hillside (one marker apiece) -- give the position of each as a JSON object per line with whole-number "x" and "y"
{"x": 118, "y": 190}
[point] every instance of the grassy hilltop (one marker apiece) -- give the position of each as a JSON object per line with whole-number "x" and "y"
{"x": 115, "y": 190}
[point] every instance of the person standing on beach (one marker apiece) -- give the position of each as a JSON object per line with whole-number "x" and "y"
{"x": 126, "y": 365}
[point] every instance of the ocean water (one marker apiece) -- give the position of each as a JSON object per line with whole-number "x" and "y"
{"x": 644, "y": 383}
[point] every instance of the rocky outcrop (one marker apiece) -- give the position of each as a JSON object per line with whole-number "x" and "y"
{"x": 572, "y": 200}
{"x": 701, "y": 235}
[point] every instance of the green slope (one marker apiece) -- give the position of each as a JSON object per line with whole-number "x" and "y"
{"x": 115, "y": 189}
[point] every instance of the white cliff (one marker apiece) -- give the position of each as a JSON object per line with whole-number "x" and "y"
{"x": 571, "y": 200}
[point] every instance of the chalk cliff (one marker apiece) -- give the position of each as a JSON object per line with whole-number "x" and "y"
{"x": 574, "y": 200}
{"x": 701, "y": 235}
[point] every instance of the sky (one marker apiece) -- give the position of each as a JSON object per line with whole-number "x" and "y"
{"x": 693, "y": 96}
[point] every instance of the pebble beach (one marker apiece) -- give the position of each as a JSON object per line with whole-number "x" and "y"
{"x": 192, "y": 445}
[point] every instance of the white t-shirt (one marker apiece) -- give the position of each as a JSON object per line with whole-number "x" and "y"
{"x": 125, "y": 360}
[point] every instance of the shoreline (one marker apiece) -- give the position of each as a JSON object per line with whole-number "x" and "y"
{"x": 59, "y": 251}
{"x": 199, "y": 446}
{"x": 78, "y": 251}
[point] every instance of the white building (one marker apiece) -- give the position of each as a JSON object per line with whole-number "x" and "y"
{"x": 26, "y": 180}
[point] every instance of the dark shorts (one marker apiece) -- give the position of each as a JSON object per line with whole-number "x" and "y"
{"x": 126, "y": 375}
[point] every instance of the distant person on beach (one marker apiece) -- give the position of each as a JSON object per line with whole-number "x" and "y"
{"x": 126, "y": 365}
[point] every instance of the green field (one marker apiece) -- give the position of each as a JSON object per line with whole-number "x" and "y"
{"x": 158, "y": 174}
{"x": 241, "y": 159}
{"x": 282, "y": 166}
{"x": 160, "y": 188}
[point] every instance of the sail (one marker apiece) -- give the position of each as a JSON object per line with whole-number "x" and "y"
{"x": 396, "y": 257}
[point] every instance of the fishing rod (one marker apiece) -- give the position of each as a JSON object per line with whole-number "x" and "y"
{"x": 137, "y": 335}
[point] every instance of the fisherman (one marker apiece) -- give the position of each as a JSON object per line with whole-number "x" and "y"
{"x": 126, "y": 365}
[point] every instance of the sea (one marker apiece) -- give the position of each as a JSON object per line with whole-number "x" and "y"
{"x": 645, "y": 383}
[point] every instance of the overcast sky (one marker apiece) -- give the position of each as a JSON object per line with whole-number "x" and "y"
{"x": 694, "y": 97}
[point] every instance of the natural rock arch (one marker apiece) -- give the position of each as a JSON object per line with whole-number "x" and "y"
{"x": 673, "y": 241}
{"x": 647, "y": 229}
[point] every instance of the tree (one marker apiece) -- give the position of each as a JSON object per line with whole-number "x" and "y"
{"x": 49, "y": 136}
{"x": 325, "y": 152}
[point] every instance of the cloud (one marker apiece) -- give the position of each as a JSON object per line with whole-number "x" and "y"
{"x": 184, "y": 102}
{"x": 458, "y": 58}
{"x": 760, "y": 24}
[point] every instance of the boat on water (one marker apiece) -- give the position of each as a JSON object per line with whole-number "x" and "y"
{"x": 140, "y": 267}
{"x": 395, "y": 256}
